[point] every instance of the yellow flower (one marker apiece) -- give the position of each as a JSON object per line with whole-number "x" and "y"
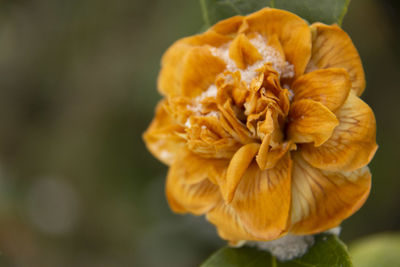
{"x": 263, "y": 128}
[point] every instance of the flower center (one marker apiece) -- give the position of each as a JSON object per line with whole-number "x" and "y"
{"x": 246, "y": 103}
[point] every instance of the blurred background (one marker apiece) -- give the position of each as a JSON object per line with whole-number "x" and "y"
{"x": 78, "y": 88}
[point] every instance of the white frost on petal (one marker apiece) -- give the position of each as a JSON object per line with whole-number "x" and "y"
{"x": 288, "y": 247}
{"x": 268, "y": 53}
{"x": 334, "y": 231}
{"x": 210, "y": 92}
{"x": 213, "y": 114}
{"x": 196, "y": 109}
{"x": 187, "y": 123}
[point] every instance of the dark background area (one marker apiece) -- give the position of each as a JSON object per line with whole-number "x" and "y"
{"x": 78, "y": 88}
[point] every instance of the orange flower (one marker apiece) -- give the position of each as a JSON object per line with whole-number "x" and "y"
{"x": 263, "y": 128}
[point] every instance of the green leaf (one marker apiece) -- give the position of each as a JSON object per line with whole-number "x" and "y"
{"x": 216, "y": 10}
{"x": 239, "y": 257}
{"x": 327, "y": 11}
{"x": 381, "y": 250}
{"x": 327, "y": 251}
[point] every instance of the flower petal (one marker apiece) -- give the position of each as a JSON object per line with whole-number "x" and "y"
{"x": 323, "y": 199}
{"x": 199, "y": 71}
{"x": 292, "y": 31}
{"x": 161, "y": 138}
{"x": 310, "y": 121}
{"x": 262, "y": 199}
{"x": 188, "y": 188}
{"x": 228, "y": 26}
{"x": 330, "y": 87}
{"x": 262, "y": 156}
{"x": 352, "y": 144}
{"x": 237, "y": 167}
{"x": 231, "y": 123}
{"x": 333, "y": 48}
{"x": 169, "y": 79}
{"x": 228, "y": 224}
{"x": 188, "y": 70}
{"x": 174, "y": 60}
{"x": 243, "y": 52}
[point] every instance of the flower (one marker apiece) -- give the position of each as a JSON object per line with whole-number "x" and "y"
{"x": 263, "y": 128}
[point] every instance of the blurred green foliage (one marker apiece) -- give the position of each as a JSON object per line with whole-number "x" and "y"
{"x": 381, "y": 250}
{"x": 78, "y": 88}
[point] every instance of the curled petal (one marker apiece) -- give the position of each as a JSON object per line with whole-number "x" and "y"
{"x": 262, "y": 199}
{"x": 207, "y": 138}
{"x": 162, "y": 137}
{"x": 323, "y": 199}
{"x": 237, "y": 167}
{"x": 275, "y": 154}
{"x": 352, "y": 144}
{"x": 292, "y": 32}
{"x": 330, "y": 87}
{"x": 310, "y": 121}
{"x": 333, "y": 48}
{"x": 188, "y": 188}
{"x": 243, "y": 52}
{"x": 231, "y": 123}
{"x": 262, "y": 156}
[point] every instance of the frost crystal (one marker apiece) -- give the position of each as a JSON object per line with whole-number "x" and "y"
{"x": 287, "y": 247}
{"x": 268, "y": 53}
{"x": 211, "y": 92}
{"x": 290, "y": 246}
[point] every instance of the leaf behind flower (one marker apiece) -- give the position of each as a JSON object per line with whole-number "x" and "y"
{"x": 327, "y": 251}
{"x": 326, "y": 11}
